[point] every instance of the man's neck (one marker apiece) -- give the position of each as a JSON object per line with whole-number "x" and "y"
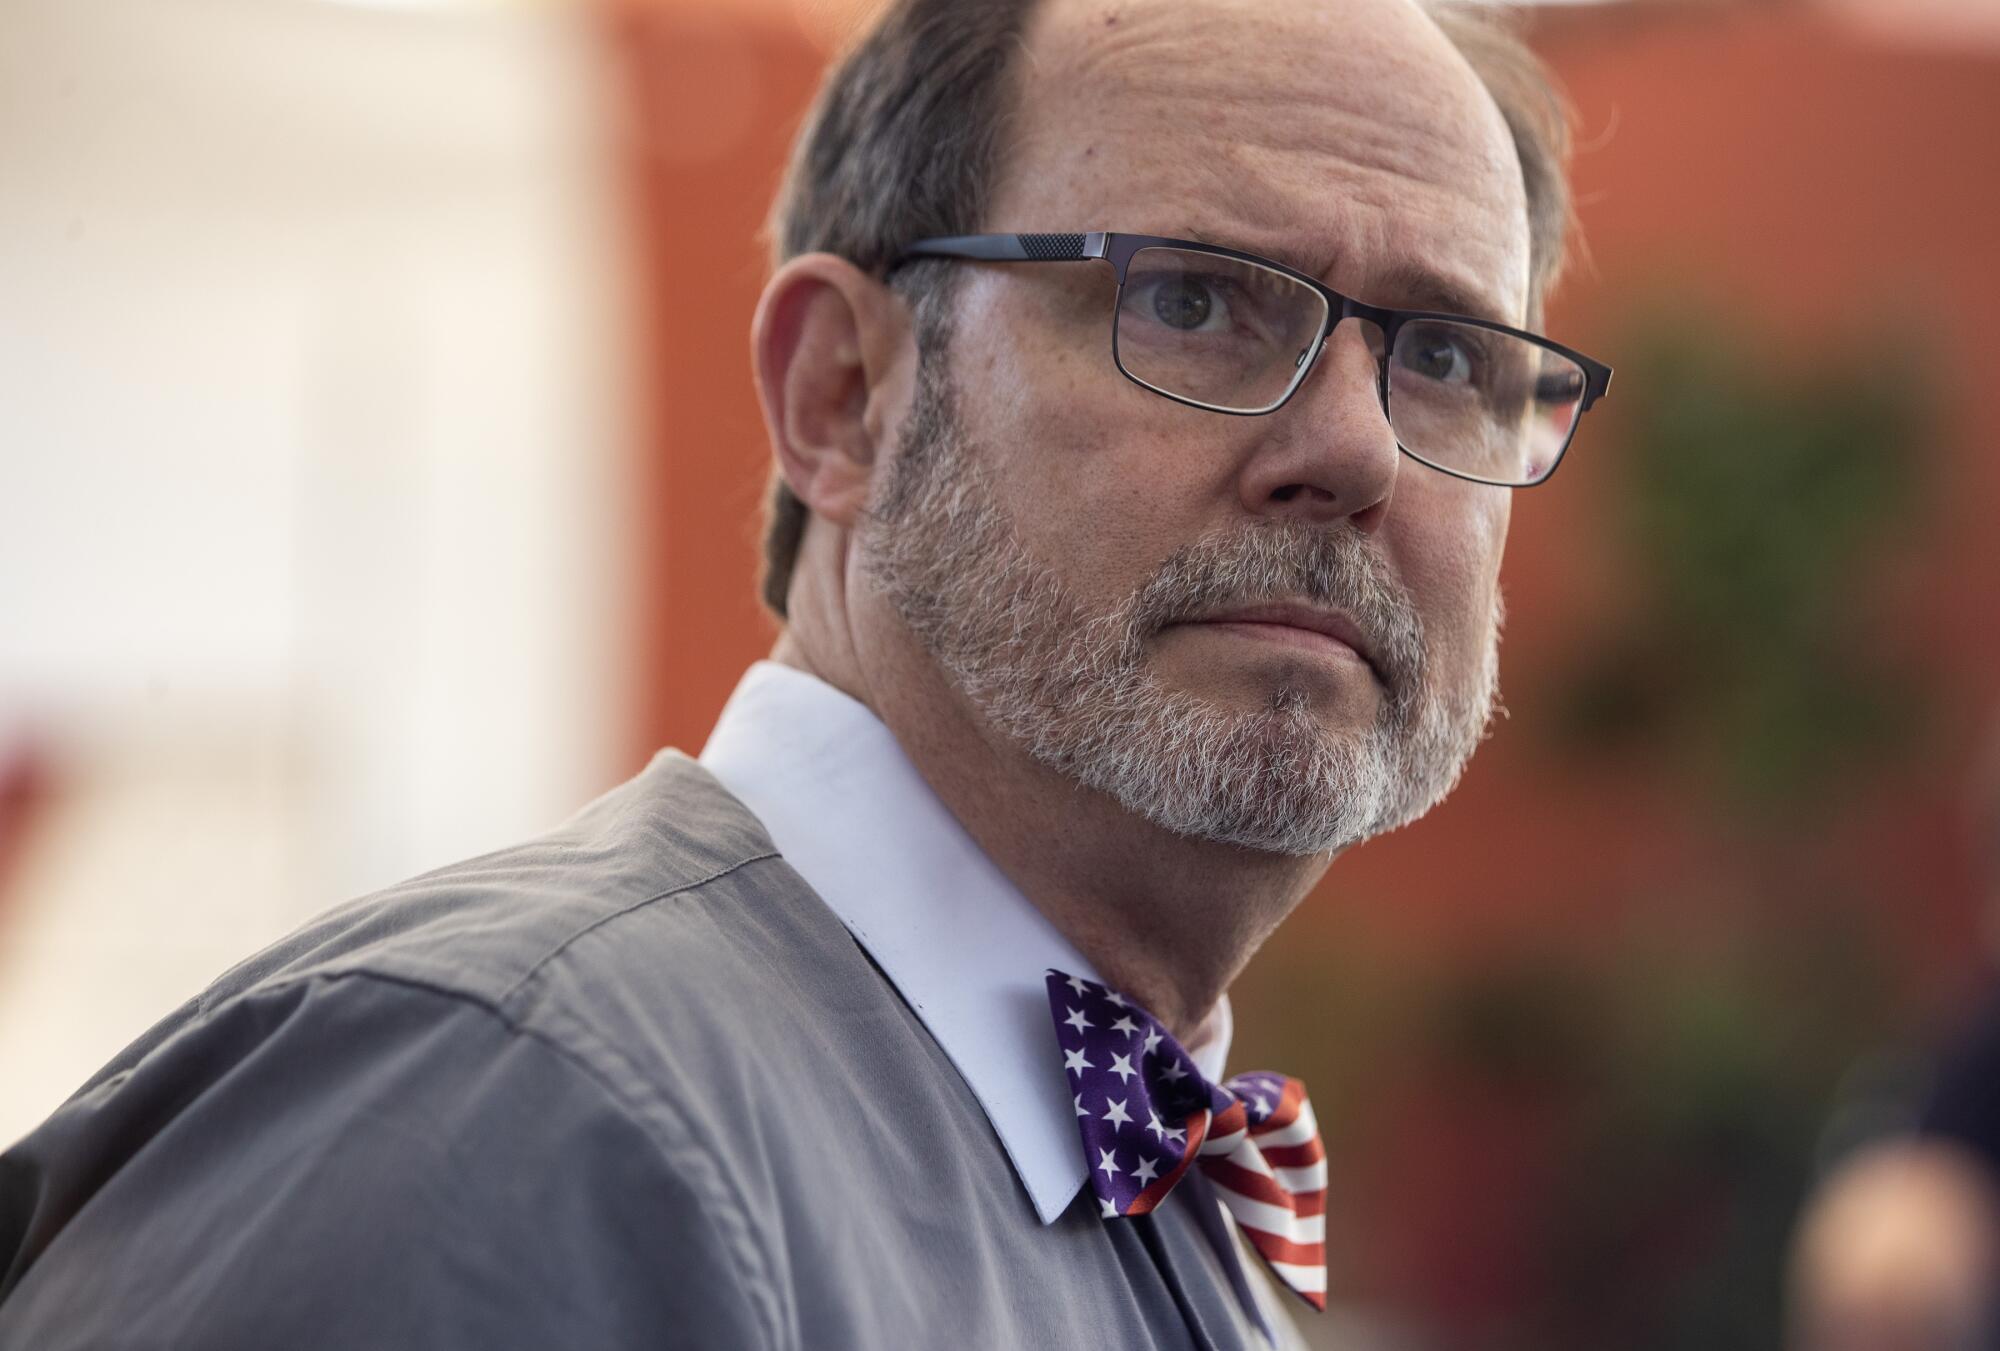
{"x": 1166, "y": 919}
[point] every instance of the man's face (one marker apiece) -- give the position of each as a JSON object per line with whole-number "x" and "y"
{"x": 1055, "y": 536}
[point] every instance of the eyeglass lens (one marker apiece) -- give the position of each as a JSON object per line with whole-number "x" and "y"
{"x": 1236, "y": 336}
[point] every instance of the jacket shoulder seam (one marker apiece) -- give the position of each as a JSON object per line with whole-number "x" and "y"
{"x": 508, "y": 995}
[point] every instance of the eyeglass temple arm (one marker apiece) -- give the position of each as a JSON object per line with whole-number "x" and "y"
{"x": 1029, "y": 248}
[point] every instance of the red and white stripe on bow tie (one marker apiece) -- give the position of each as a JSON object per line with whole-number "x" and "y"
{"x": 1272, "y": 1178}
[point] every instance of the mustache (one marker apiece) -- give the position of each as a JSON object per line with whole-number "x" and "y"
{"x": 1334, "y": 567}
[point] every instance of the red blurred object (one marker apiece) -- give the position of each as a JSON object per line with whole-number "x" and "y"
{"x": 24, "y": 787}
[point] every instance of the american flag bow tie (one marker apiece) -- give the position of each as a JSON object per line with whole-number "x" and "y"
{"x": 1147, "y": 1113}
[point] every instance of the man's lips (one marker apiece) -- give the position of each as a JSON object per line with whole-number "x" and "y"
{"x": 1297, "y": 625}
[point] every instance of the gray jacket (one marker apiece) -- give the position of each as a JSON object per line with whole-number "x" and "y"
{"x": 631, "y": 1084}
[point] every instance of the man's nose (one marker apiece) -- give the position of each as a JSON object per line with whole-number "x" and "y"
{"x": 1331, "y": 454}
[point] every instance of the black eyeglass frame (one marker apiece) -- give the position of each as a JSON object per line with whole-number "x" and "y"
{"x": 1119, "y": 250}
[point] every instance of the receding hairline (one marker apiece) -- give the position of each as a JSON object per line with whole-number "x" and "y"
{"x": 1039, "y": 16}
{"x": 1080, "y": 63}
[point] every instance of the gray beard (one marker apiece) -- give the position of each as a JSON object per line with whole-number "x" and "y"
{"x": 1074, "y": 689}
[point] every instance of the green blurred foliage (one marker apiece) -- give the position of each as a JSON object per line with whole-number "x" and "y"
{"x": 1768, "y": 488}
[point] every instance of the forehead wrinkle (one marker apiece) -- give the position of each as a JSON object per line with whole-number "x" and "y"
{"x": 1377, "y": 214}
{"x": 1395, "y": 279}
{"x": 1261, "y": 128}
{"x": 1105, "y": 50}
{"x": 1174, "y": 109}
{"x": 1349, "y": 232}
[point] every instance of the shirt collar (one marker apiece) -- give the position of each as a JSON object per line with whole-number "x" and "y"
{"x": 965, "y": 948}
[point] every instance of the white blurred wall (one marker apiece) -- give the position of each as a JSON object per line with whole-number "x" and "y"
{"x": 314, "y": 533}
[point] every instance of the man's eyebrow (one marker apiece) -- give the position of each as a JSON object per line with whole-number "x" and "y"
{"x": 1404, "y": 284}
{"x": 1409, "y": 285}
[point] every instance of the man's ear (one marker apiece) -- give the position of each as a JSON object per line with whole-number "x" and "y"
{"x": 828, "y": 342}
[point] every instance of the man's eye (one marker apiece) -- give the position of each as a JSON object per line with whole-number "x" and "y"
{"x": 1187, "y": 304}
{"x": 1439, "y": 357}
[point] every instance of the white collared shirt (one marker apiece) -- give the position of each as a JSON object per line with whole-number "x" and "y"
{"x": 963, "y": 946}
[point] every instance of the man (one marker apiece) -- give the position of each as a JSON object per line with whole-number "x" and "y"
{"x": 899, "y": 1019}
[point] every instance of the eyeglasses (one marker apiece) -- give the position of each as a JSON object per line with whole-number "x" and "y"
{"x": 1235, "y": 333}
